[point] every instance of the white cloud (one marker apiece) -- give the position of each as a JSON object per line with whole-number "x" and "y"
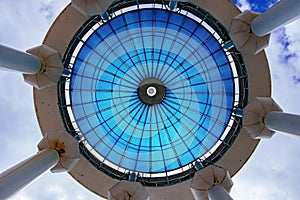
{"x": 243, "y": 5}
{"x": 27, "y": 21}
{"x": 47, "y": 9}
{"x": 271, "y": 172}
{"x": 284, "y": 58}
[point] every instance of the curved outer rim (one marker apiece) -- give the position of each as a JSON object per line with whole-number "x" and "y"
{"x": 49, "y": 118}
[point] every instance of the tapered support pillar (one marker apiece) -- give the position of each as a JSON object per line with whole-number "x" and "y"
{"x": 58, "y": 151}
{"x": 67, "y": 147}
{"x": 283, "y": 122}
{"x": 15, "y": 60}
{"x": 41, "y": 66}
{"x": 17, "y": 177}
{"x": 212, "y": 182}
{"x": 243, "y": 38}
{"x": 282, "y": 13}
{"x": 262, "y": 117}
{"x": 128, "y": 190}
{"x": 218, "y": 192}
{"x": 51, "y": 70}
{"x": 254, "y": 114}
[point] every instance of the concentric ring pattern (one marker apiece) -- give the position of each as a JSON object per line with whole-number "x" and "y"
{"x": 151, "y": 44}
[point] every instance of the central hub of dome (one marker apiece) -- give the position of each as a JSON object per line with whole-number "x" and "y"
{"x": 151, "y": 91}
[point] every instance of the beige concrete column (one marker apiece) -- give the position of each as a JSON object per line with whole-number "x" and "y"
{"x": 212, "y": 182}
{"x": 17, "y": 177}
{"x": 128, "y": 190}
{"x": 14, "y": 60}
{"x": 282, "y": 13}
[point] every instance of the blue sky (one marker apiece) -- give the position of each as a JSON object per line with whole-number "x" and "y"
{"x": 256, "y": 5}
{"x": 271, "y": 173}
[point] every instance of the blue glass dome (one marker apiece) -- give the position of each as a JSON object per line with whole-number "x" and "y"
{"x": 152, "y": 90}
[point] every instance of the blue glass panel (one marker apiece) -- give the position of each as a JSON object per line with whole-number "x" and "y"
{"x": 104, "y": 32}
{"x": 171, "y": 164}
{"x": 85, "y": 50}
{"x": 201, "y": 34}
{"x": 190, "y": 26}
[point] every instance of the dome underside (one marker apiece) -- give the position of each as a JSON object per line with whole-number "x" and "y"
{"x": 177, "y": 53}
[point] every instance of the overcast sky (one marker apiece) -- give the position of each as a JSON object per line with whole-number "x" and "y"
{"x": 271, "y": 173}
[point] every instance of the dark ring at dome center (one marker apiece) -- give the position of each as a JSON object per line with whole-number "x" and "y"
{"x": 151, "y": 91}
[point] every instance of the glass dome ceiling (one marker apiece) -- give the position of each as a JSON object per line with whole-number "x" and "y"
{"x": 151, "y": 91}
